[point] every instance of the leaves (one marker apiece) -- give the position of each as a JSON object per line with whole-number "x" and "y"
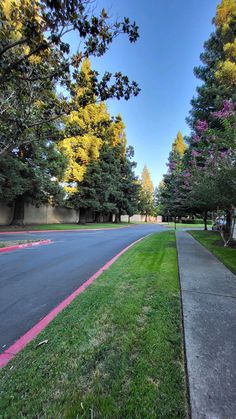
{"x": 35, "y": 58}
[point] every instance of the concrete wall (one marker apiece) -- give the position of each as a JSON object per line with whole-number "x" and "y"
{"x": 6, "y": 214}
{"x": 138, "y": 218}
{"x": 45, "y": 214}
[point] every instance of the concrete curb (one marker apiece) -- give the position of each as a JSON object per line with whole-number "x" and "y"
{"x": 24, "y": 245}
{"x": 10, "y": 353}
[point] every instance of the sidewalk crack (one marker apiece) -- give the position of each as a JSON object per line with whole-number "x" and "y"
{"x": 210, "y": 293}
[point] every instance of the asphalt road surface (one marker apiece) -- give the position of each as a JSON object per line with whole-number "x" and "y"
{"x": 35, "y": 280}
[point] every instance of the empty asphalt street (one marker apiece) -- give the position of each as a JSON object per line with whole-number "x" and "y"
{"x": 35, "y": 280}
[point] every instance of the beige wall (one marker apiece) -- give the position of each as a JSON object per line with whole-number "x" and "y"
{"x": 137, "y": 218}
{"x": 45, "y": 214}
{"x": 6, "y": 214}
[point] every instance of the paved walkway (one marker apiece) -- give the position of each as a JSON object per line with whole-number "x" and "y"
{"x": 209, "y": 313}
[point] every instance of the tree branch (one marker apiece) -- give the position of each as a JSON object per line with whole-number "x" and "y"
{"x": 43, "y": 122}
{"x": 16, "y": 63}
{"x": 14, "y": 44}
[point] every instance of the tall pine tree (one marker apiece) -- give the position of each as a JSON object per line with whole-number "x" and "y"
{"x": 146, "y": 201}
{"x": 217, "y": 72}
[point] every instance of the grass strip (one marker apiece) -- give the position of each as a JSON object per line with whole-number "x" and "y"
{"x": 115, "y": 352}
{"x": 64, "y": 226}
{"x": 16, "y": 242}
{"x": 180, "y": 225}
{"x": 213, "y": 242}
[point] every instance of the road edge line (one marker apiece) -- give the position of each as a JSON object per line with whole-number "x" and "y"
{"x": 24, "y": 245}
{"x": 10, "y": 353}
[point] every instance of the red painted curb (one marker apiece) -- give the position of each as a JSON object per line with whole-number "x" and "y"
{"x": 7, "y": 355}
{"x": 24, "y": 245}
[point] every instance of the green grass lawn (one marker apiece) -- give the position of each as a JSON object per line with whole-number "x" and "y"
{"x": 64, "y": 226}
{"x": 212, "y": 241}
{"x": 180, "y": 225}
{"x": 115, "y": 352}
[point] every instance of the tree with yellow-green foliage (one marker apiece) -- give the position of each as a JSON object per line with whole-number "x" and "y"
{"x": 31, "y": 166}
{"x": 146, "y": 198}
{"x": 204, "y": 179}
{"x": 35, "y": 60}
{"x": 146, "y": 181}
{"x": 225, "y": 22}
{"x": 85, "y": 132}
{"x": 218, "y": 69}
{"x": 35, "y": 57}
{"x": 179, "y": 145}
{"x": 99, "y": 179}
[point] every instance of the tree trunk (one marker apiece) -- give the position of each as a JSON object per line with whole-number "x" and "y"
{"x": 82, "y": 216}
{"x": 227, "y": 231}
{"x": 98, "y": 216}
{"x": 228, "y": 220}
{"x": 146, "y": 217}
{"x": 205, "y": 220}
{"x": 118, "y": 217}
{"x": 19, "y": 212}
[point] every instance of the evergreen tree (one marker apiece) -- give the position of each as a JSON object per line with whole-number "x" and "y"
{"x": 171, "y": 201}
{"x": 146, "y": 198}
{"x": 203, "y": 178}
{"x": 31, "y": 174}
{"x": 130, "y": 184}
{"x": 109, "y": 185}
{"x": 217, "y": 71}
{"x": 225, "y": 23}
{"x": 146, "y": 181}
{"x": 179, "y": 146}
{"x": 85, "y": 130}
{"x": 99, "y": 176}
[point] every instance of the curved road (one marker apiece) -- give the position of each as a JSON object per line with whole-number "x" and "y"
{"x": 35, "y": 280}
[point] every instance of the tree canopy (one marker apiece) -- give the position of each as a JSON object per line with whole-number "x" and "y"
{"x": 36, "y": 57}
{"x": 202, "y": 177}
{"x": 53, "y": 119}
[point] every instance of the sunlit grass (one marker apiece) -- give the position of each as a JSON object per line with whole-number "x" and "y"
{"x": 115, "y": 352}
{"x": 182, "y": 225}
{"x": 213, "y": 242}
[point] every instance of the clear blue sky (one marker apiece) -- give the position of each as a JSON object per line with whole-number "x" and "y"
{"x": 172, "y": 33}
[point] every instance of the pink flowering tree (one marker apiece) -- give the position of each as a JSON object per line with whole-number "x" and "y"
{"x": 212, "y": 165}
{"x": 204, "y": 179}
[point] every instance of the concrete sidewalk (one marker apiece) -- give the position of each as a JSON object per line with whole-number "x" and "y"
{"x": 209, "y": 314}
